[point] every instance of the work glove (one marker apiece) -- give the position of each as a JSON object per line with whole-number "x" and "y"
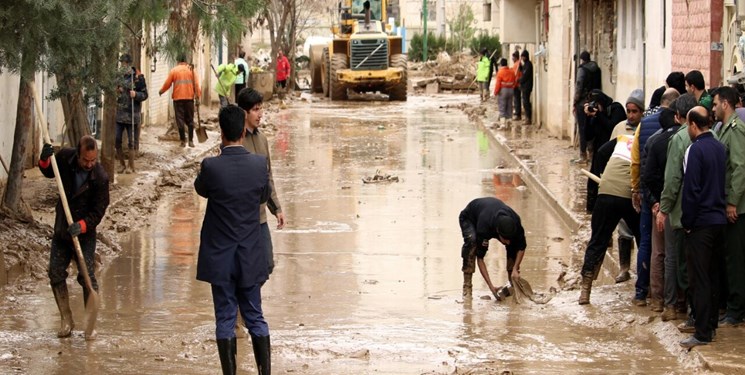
{"x": 75, "y": 229}
{"x": 46, "y": 151}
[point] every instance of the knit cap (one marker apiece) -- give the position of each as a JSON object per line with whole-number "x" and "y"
{"x": 636, "y": 97}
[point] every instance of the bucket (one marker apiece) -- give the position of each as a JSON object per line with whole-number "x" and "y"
{"x": 262, "y": 82}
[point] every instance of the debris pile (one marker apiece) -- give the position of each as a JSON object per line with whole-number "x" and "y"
{"x": 455, "y": 73}
{"x": 379, "y": 178}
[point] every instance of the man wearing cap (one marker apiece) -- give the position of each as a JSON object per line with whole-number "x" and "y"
{"x": 132, "y": 92}
{"x": 614, "y": 196}
{"x": 482, "y": 220}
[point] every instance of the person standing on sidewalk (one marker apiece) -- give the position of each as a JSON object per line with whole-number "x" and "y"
{"x": 482, "y": 220}
{"x": 243, "y": 72}
{"x": 86, "y": 187}
{"x": 517, "y": 69}
{"x": 526, "y": 86}
{"x": 132, "y": 92}
{"x": 232, "y": 257}
{"x": 649, "y": 125}
{"x": 668, "y": 216}
{"x": 255, "y": 142}
{"x": 185, "y": 90}
{"x": 696, "y": 86}
{"x": 652, "y": 177}
{"x": 589, "y": 78}
{"x": 732, "y": 135}
{"x": 283, "y": 70}
{"x": 703, "y": 219}
{"x": 504, "y": 91}
{"x": 613, "y": 202}
{"x": 483, "y": 72}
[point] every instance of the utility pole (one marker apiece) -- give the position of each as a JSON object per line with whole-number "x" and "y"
{"x": 425, "y": 15}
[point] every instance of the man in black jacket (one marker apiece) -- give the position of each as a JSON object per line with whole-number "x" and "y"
{"x": 588, "y": 78}
{"x": 132, "y": 92}
{"x": 526, "y": 86}
{"x": 86, "y": 186}
{"x": 482, "y": 220}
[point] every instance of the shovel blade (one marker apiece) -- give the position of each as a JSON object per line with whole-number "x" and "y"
{"x": 201, "y": 134}
{"x": 91, "y": 314}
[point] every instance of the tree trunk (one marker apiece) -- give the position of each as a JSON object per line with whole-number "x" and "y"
{"x": 24, "y": 127}
{"x": 108, "y": 133}
{"x": 76, "y": 116}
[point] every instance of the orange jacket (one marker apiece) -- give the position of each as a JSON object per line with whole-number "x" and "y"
{"x": 518, "y": 72}
{"x": 184, "y": 82}
{"x": 505, "y": 78}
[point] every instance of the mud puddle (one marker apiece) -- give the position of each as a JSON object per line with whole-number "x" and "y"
{"x": 367, "y": 276}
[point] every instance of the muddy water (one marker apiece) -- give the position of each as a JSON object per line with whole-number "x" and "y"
{"x": 368, "y": 275}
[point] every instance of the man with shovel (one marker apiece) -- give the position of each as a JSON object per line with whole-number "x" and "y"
{"x": 482, "y": 220}
{"x": 86, "y": 187}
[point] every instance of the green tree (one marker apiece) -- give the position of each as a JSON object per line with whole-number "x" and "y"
{"x": 461, "y": 27}
{"x": 490, "y": 42}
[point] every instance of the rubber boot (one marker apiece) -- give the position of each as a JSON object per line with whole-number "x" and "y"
{"x": 92, "y": 336}
{"x": 262, "y": 354}
{"x": 624, "y": 258}
{"x": 191, "y": 136}
{"x": 63, "y": 303}
{"x": 467, "y": 284}
{"x": 132, "y": 160}
{"x": 227, "y": 350}
{"x": 122, "y": 165}
{"x": 584, "y": 295}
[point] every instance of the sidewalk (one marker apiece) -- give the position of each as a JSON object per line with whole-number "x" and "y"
{"x": 546, "y": 167}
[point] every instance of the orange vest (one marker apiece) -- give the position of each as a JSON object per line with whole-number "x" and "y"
{"x": 184, "y": 81}
{"x": 518, "y": 72}
{"x": 505, "y": 79}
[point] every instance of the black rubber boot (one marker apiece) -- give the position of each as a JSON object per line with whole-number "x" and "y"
{"x": 624, "y": 258}
{"x": 62, "y": 298}
{"x": 227, "y": 350}
{"x": 262, "y": 354}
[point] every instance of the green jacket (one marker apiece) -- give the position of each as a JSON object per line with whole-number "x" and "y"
{"x": 226, "y": 77}
{"x": 732, "y": 136}
{"x": 482, "y": 71}
{"x": 671, "y": 198}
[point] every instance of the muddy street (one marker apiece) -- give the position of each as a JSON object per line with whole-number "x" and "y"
{"x": 367, "y": 276}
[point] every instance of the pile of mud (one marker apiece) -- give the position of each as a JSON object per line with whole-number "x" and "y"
{"x": 462, "y": 64}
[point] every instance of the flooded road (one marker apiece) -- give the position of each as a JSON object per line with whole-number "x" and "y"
{"x": 367, "y": 276}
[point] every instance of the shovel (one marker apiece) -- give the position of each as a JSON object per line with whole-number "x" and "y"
{"x": 91, "y": 305}
{"x": 201, "y": 132}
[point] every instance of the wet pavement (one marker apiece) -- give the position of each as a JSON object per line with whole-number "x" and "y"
{"x": 368, "y": 275}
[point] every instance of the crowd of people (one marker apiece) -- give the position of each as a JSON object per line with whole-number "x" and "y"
{"x": 671, "y": 176}
{"x": 513, "y": 87}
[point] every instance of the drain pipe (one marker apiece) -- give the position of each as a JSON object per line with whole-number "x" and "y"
{"x": 644, "y": 48}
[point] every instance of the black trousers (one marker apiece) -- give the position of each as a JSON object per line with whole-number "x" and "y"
{"x": 526, "y": 91}
{"x": 609, "y": 210}
{"x": 705, "y": 253}
{"x": 184, "y": 111}
{"x": 518, "y": 103}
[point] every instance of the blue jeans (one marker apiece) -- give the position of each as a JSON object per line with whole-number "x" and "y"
{"x": 644, "y": 254}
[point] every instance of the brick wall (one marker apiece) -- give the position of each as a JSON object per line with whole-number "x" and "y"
{"x": 696, "y": 24}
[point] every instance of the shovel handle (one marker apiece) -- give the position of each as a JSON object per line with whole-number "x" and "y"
{"x": 62, "y": 195}
{"x": 590, "y": 175}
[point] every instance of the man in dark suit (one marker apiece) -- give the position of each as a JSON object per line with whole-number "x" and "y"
{"x": 232, "y": 257}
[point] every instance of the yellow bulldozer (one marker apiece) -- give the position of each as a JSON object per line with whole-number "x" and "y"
{"x": 363, "y": 56}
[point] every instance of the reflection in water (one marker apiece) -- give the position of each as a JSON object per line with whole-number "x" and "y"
{"x": 367, "y": 276}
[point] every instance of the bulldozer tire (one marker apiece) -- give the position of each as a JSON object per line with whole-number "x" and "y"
{"x": 316, "y": 61}
{"x": 338, "y": 90}
{"x": 397, "y": 91}
{"x": 325, "y": 68}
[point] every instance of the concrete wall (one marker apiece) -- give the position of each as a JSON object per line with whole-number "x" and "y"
{"x": 659, "y": 30}
{"x": 556, "y": 83}
{"x": 696, "y": 24}
{"x": 630, "y": 49}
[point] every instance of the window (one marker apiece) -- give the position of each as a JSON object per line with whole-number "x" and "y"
{"x": 487, "y": 11}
